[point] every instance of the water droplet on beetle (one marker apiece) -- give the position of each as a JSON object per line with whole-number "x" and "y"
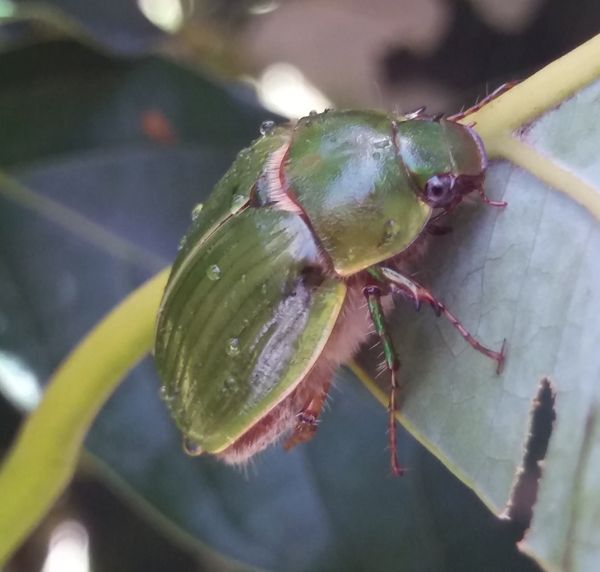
{"x": 382, "y": 144}
{"x": 163, "y": 393}
{"x": 233, "y": 347}
{"x": 196, "y": 211}
{"x": 213, "y": 272}
{"x": 191, "y": 448}
{"x": 391, "y": 229}
{"x": 266, "y": 128}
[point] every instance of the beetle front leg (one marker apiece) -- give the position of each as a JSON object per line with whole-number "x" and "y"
{"x": 373, "y": 294}
{"x": 308, "y": 419}
{"x": 418, "y": 294}
{"x": 495, "y": 94}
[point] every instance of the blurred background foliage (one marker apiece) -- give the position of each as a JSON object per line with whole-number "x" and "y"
{"x": 115, "y": 119}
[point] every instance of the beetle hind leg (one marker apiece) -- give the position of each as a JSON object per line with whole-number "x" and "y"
{"x": 373, "y": 294}
{"x": 308, "y": 419}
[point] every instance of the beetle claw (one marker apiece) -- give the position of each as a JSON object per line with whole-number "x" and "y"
{"x": 501, "y": 358}
{"x": 488, "y": 202}
{"x": 416, "y": 113}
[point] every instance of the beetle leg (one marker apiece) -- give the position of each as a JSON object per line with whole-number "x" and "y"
{"x": 420, "y": 112}
{"x": 308, "y": 419}
{"x": 418, "y": 293}
{"x": 496, "y": 93}
{"x": 373, "y": 294}
{"x": 487, "y": 201}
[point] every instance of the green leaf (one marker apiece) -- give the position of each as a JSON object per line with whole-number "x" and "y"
{"x": 528, "y": 274}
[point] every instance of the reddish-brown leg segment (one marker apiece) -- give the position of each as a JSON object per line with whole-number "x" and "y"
{"x": 496, "y": 93}
{"x": 418, "y": 294}
{"x": 308, "y": 419}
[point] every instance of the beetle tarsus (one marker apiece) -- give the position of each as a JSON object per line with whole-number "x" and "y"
{"x": 501, "y": 358}
{"x": 495, "y": 94}
{"x": 308, "y": 419}
{"x": 488, "y": 202}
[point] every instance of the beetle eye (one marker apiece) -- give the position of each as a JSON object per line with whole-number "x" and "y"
{"x": 439, "y": 190}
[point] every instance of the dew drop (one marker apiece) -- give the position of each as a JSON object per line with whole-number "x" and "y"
{"x": 382, "y": 144}
{"x": 391, "y": 229}
{"x": 191, "y": 448}
{"x": 233, "y": 347}
{"x": 313, "y": 112}
{"x": 266, "y": 127}
{"x": 230, "y": 383}
{"x": 196, "y": 211}
{"x": 263, "y": 288}
{"x": 163, "y": 393}
{"x": 182, "y": 243}
{"x": 376, "y": 156}
{"x": 243, "y": 279}
{"x": 213, "y": 272}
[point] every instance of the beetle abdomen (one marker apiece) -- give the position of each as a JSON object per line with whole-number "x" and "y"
{"x": 350, "y": 331}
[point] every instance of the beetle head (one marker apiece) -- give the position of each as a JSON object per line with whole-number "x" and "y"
{"x": 446, "y": 160}
{"x": 446, "y": 190}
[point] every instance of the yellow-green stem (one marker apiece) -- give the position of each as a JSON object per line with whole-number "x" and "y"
{"x": 45, "y": 455}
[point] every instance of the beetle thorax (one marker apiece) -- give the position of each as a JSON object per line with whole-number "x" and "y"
{"x": 341, "y": 172}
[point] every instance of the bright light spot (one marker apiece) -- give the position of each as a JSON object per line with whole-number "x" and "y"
{"x": 282, "y": 88}
{"x": 7, "y": 9}
{"x": 166, "y": 14}
{"x": 68, "y": 549}
{"x": 18, "y": 383}
{"x": 263, "y": 8}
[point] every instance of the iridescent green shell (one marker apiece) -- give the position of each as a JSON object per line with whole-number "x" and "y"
{"x": 260, "y": 279}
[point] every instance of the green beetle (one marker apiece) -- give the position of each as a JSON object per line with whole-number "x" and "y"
{"x": 267, "y": 295}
